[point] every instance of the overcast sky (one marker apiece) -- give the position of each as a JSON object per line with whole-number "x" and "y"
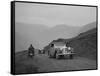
{"x": 52, "y": 15}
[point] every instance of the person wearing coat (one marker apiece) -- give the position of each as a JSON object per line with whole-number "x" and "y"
{"x": 31, "y": 50}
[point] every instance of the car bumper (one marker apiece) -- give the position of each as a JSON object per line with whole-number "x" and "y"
{"x": 66, "y": 54}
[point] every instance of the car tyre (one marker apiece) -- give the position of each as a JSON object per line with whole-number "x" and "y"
{"x": 71, "y": 56}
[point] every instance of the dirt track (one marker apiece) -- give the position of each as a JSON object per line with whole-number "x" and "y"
{"x": 46, "y": 64}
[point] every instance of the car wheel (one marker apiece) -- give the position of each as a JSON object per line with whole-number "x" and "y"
{"x": 57, "y": 56}
{"x": 71, "y": 56}
{"x": 50, "y": 55}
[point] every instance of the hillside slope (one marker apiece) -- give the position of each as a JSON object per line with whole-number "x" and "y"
{"x": 85, "y": 44}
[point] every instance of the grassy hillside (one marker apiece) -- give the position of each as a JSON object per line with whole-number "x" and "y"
{"x": 85, "y": 44}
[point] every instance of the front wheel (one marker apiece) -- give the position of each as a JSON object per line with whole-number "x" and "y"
{"x": 30, "y": 56}
{"x": 71, "y": 56}
{"x": 57, "y": 56}
{"x": 52, "y": 54}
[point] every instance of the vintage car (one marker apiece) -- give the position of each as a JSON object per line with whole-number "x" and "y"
{"x": 58, "y": 50}
{"x": 41, "y": 51}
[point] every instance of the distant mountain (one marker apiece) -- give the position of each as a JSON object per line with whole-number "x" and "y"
{"x": 88, "y": 27}
{"x": 22, "y": 42}
{"x": 26, "y": 34}
{"x": 40, "y": 35}
{"x": 64, "y": 31}
{"x": 29, "y": 29}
